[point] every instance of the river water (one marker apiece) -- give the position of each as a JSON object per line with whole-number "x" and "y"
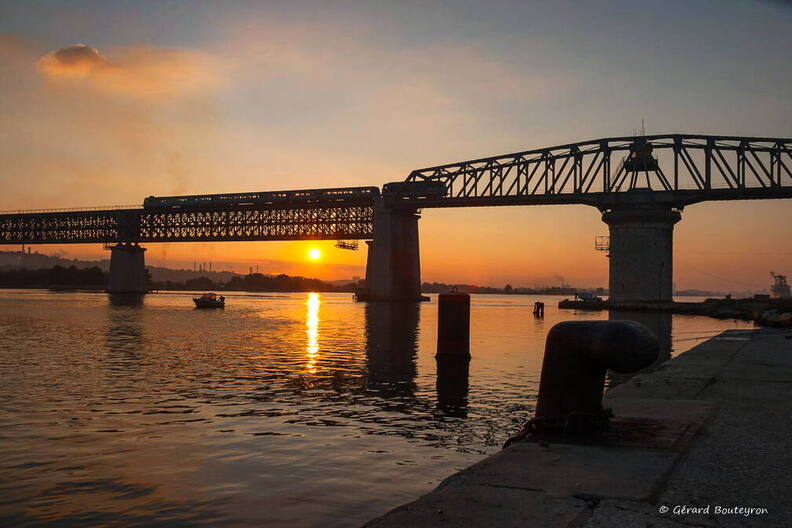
{"x": 282, "y": 409}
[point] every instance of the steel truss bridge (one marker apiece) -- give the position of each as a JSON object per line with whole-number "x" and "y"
{"x": 294, "y": 221}
{"x": 677, "y": 170}
{"x": 666, "y": 170}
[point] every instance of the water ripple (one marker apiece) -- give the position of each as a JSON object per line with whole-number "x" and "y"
{"x": 299, "y": 409}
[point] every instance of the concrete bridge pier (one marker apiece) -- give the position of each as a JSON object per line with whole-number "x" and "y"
{"x": 127, "y": 269}
{"x": 641, "y": 253}
{"x": 393, "y": 270}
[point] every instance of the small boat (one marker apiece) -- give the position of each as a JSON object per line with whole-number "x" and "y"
{"x": 209, "y": 300}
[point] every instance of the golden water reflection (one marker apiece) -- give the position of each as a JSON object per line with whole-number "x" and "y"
{"x": 312, "y": 329}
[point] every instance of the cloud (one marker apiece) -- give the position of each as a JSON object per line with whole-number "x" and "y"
{"x": 84, "y": 126}
{"x": 77, "y": 60}
{"x": 140, "y": 71}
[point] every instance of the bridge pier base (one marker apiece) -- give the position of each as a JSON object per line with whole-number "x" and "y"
{"x": 127, "y": 269}
{"x": 641, "y": 253}
{"x": 393, "y": 270}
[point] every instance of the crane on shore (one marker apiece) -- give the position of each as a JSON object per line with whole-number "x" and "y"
{"x": 780, "y": 288}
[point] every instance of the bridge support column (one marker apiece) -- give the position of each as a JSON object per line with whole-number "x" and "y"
{"x": 127, "y": 269}
{"x": 393, "y": 270}
{"x": 641, "y": 253}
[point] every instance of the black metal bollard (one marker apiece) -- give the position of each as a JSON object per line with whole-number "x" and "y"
{"x": 453, "y": 325}
{"x": 577, "y": 357}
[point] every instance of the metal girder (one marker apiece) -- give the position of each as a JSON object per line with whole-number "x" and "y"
{"x": 61, "y": 227}
{"x": 190, "y": 225}
{"x": 315, "y": 223}
{"x": 679, "y": 168}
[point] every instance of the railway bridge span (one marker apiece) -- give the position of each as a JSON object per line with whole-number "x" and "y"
{"x": 640, "y": 184}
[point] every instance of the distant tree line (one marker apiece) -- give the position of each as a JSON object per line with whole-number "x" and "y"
{"x": 95, "y": 278}
{"x": 55, "y": 277}
{"x": 259, "y": 282}
{"x": 439, "y": 287}
{"x": 253, "y": 282}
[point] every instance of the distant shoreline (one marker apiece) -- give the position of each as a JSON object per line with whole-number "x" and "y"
{"x": 101, "y": 289}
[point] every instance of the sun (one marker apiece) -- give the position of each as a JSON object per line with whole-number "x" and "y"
{"x": 314, "y": 254}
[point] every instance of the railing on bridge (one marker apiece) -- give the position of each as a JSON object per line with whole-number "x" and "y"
{"x": 679, "y": 168}
{"x": 71, "y": 209}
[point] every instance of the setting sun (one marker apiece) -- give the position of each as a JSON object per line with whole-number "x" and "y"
{"x": 314, "y": 254}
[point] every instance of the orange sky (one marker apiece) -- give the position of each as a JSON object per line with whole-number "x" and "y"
{"x": 257, "y": 98}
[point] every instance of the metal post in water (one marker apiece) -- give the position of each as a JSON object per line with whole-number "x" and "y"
{"x": 453, "y": 325}
{"x": 452, "y": 385}
{"x": 453, "y": 351}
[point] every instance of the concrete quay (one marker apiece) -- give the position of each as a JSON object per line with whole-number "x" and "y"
{"x": 704, "y": 441}
{"x": 764, "y": 312}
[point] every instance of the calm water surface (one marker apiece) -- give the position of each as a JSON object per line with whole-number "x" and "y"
{"x": 283, "y": 409}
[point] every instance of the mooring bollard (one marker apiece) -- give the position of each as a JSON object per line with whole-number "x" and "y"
{"x": 453, "y": 325}
{"x": 577, "y": 357}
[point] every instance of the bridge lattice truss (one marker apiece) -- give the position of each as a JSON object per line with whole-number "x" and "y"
{"x": 608, "y": 172}
{"x": 250, "y": 223}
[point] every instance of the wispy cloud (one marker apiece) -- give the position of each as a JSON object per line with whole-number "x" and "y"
{"x": 135, "y": 71}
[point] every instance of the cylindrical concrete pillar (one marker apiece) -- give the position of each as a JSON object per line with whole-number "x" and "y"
{"x": 369, "y": 260}
{"x": 127, "y": 269}
{"x": 393, "y": 270}
{"x": 453, "y": 325}
{"x": 641, "y": 253}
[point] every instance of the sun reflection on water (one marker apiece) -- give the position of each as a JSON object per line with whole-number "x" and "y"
{"x": 312, "y": 329}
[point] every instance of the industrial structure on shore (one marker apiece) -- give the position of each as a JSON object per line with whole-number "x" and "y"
{"x": 780, "y": 288}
